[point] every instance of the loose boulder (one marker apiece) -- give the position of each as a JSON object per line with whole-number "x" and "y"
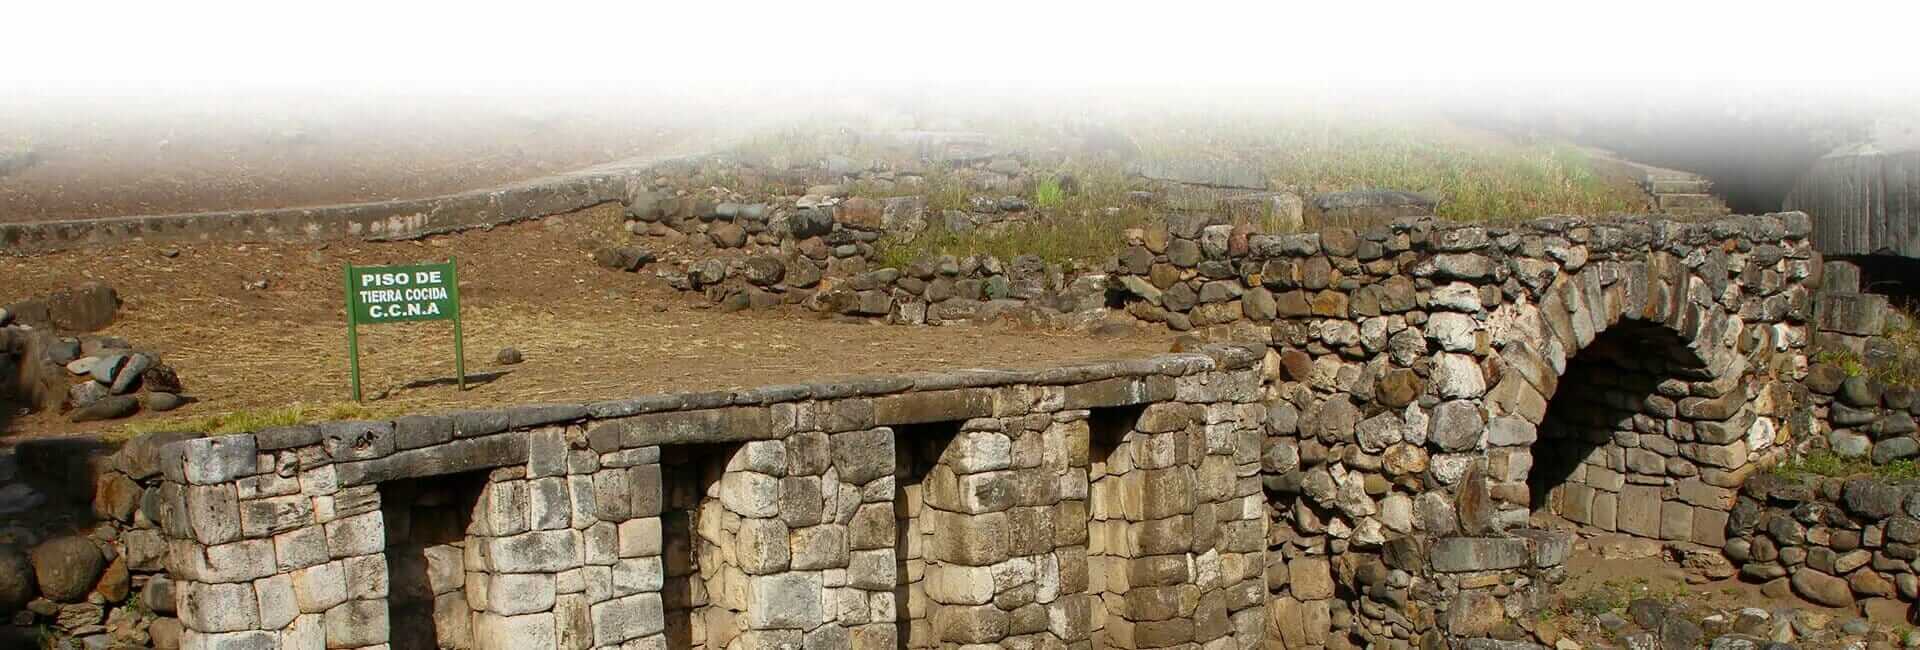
{"x": 128, "y": 378}
{"x": 67, "y": 568}
{"x": 163, "y": 402}
{"x": 107, "y": 408}
{"x": 88, "y": 307}
{"x": 1373, "y": 205}
{"x": 624, "y": 258}
{"x": 161, "y": 378}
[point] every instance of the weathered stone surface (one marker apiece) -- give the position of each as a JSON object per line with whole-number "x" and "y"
{"x": 1871, "y": 499}
{"x": 66, "y": 568}
{"x": 1457, "y": 426}
{"x": 787, "y": 600}
{"x": 862, "y": 456}
{"x": 1458, "y": 554}
{"x": 932, "y": 406}
{"x": 1822, "y": 588}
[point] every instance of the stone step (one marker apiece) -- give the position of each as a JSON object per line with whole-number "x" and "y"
{"x": 1697, "y": 214}
{"x": 1669, "y": 202}
{"x": 1678, "y": 185}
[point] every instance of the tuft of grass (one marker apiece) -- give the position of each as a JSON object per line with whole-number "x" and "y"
{"x": 1848, "y": 361}
{"x": 1894, "y": 364}
{"x": 1047, "y": 195}
{"x": 1902, "y": 369}
{"x": 1825, "y": 463}
{"x": 255, "y": 419}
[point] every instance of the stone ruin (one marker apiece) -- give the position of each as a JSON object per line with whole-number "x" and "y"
{"x": 1113, "y": 505}
{"x": 1368, "y": 472}
{"x": 1373, "y": 462}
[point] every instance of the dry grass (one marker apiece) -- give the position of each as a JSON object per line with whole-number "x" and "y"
{"x": 1478, "y": 177}
{"x": 1083, "y": 227}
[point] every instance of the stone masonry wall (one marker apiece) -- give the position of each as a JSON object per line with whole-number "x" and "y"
{"x": 1832, "y": 541}
{"x": 757, "y": 255}
{"x": 286, "y": 538}
{"x": 1414, "y": 367}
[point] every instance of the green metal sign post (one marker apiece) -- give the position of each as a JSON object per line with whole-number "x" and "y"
{"x": 399, "y": 294}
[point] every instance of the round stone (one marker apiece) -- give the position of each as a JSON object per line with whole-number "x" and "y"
{"x": 66, "y": 568}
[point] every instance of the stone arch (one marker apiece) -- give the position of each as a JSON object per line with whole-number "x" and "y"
{"x": 1624, "y": 401}
{"x": 1419, "y": 362}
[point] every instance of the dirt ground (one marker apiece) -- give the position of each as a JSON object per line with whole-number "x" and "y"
{"x": 587, "y": 333}
{"x": 213, "y": 154}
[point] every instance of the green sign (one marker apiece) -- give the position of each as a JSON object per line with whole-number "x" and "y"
{"x": 399, "y": 294}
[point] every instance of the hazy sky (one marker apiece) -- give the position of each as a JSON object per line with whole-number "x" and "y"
{"x": 1866, "y": 44}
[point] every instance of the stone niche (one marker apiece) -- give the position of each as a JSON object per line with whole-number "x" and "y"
{"x": 430, "y": 525}
{"x": 1113, "y": 504}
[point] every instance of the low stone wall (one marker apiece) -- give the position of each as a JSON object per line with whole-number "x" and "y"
{"x": 1862, "y": 417}
{"x": 380, "y": 220}
{"x": 1831, "y": 541}
{"x": 818, "y": 250}
{"x": 796, "y": 497}
{"x": 82, "y": 555}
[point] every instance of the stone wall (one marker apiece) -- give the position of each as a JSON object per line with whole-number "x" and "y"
{"x": 377, "y": 220}
{"x": 819, "y": 251}
{"x": 761, "y": 518}
{"x": 1418, "y": 365}
{"x": 1832, "y": 541}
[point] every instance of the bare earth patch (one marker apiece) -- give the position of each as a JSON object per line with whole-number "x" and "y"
{"x": 587, "y": 333}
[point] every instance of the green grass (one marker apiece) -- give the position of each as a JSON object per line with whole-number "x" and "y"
{"x": 254, "y": 420}
{"x": 1047, "y": 195}
{"x": 1825, "y": 463}
{"x": 1849, "y": 361}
